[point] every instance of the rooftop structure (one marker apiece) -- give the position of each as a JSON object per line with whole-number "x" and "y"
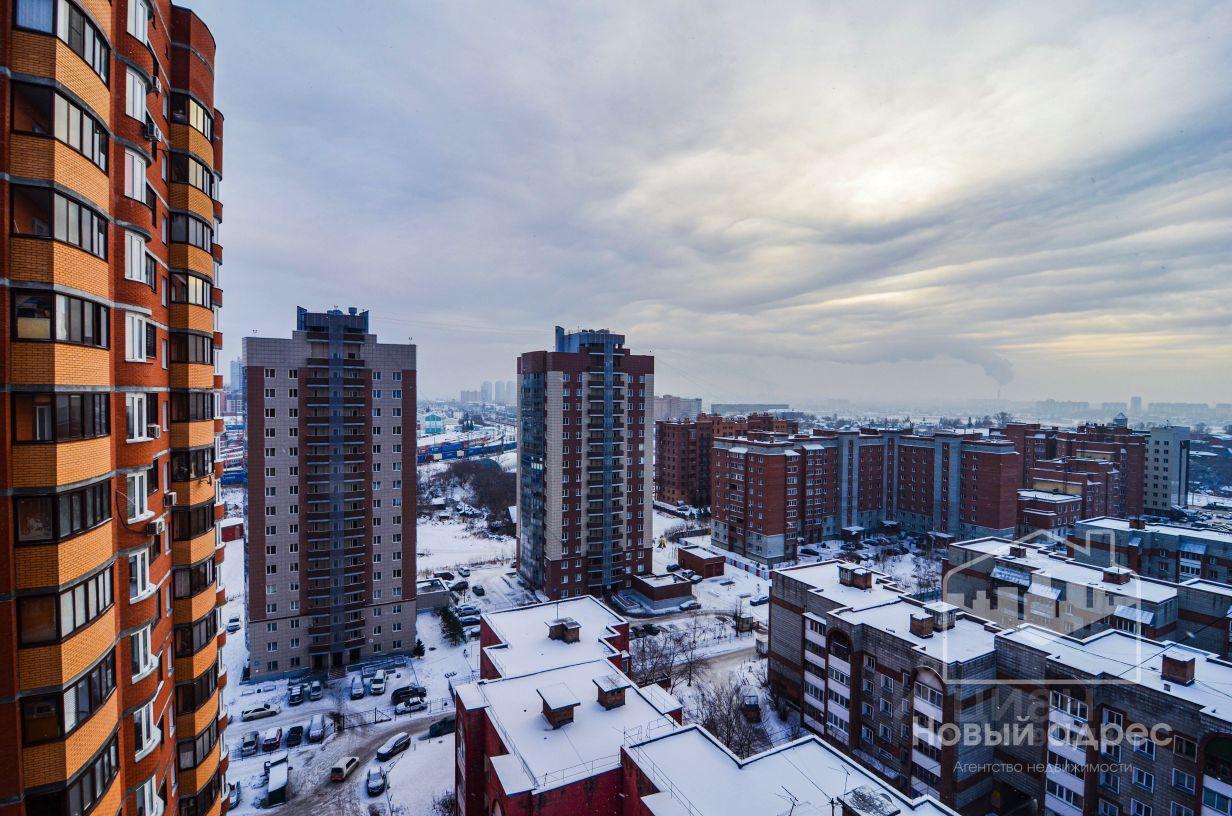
{"x": 534, "y": 638}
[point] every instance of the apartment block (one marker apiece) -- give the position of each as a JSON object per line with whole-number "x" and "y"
{"x": 556, "y": 728}
{"x": 671, "y": 407}
{"x": 770, "y": 492}
{"x": 1166, "y": 469}
{"x": 110, "y": 158}
{"x": 331, "y": 485}
{"x": 683, "y": 451}
{"x": 1166, "y": 551}
{"x": 1109, "y": 460}
{"x": 584, "y": 440}
{"x": 1042, "y": 511}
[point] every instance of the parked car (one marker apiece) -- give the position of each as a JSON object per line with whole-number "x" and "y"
{"x": 400, "y": 742}
{"x": 479, "y": 590}
{"x": 651, "y": 629}
{"x": 316, "y": 691}
{"x": 472, "y": 633}
{"x": 271, "y": 739}
{"x": 689, "y": 606}
{"x": 295, "y": 735}
{"x": 687, "y": 573}
{"x": 252, "y": 740}
{"x": 695, "y": 579}
{"x": 444, "y": 575}
{"x": 459, "y": 586}
{"x": 233, "y": 795}
{"x": 260, "y": 712}
{"x": 410, "y": 707}
{"x": 672, "y": 567}
{"x": 404, "y": 693}
{"x": 760, "y": 600}
{"x": 377, "y": 684}
{"x": 376, "y": 781}
{"x": 440, "y": 728}
{"x": 233, "y": 624}
{"x": 297, "y": 694}
{"x": 343, "y": 768}
{"x": 469, "y": 620}
{"x": 727, "y": 582}
{"x": 316, "y": 728}
{"x": 466, "y": 609}
{"x": 357, "y": 688}
{"x": 809, "y": 551}
{"x": 464, "y": 572}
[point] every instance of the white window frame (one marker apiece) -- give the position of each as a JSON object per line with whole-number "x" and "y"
{"x": 141, "y": 642}
{"x": 134, "y": 257}
{"x": 138, "y": 502}
{"x": 135, "y": 92}
{"x": 136, "y": 412}
{"x": 141, "y": 561}
{"x": 146, "y": 729}
{"x": 139, "y": 20}
{"x": 134, "y": 337}
{"x": 134, "y": 175}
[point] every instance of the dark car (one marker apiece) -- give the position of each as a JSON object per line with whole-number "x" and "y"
{"x": 760, "y": 600}
{"x": 401, "y": 695}
{"x": 672, "y": 567}
{"x": 297, "y": 694}
{"x": 444, "y": 575}
{"x": 651, "y": 629}
{"x": 469, "y": 620}
{"x": 399, "y": 743}
{"x": 440, "y": 728}
{"x": 316, "y": 728}
{"x": 459, "y": 586}
{"x": 376, "y": 782}
{"x": 808, "y": 551}
{"x": 479, "y": 590}
{"x": 295, "y": 735}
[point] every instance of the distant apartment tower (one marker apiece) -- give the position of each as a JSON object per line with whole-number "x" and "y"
{"x": 683, "y": 448}
{"x": 673, "y": 407}
{"x": 1135, "y": 406}
{"x": 331, "y": 484}
{"x": 770, "y": 492}
{"x": 486, "y": 392}
{"x": 498, "y": 392}
{"x": 584, "y": 510}
{"x": 511, "y": 393}
{"x": 1166, "y": 469}
{"x": 745, "y": 408}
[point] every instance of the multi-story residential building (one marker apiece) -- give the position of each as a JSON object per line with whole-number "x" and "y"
{"x": 746, "y": 408}
{"x": 683, "y": 450}
{"x": 1166, "y": 469}
{"x": 331, "y": 485}
{"x": 670, "y": 407}
{"x": 1121, "y": 451}
{"x": 1166, "y": 551}
{"x": 1048, "y": 512}
{"x": 110, "y": 156}
{"x": 584, "y": 438}
{"x": 878, "y": 673}
{"x": 770, "y": 492}
{"x": 555, "y": 728}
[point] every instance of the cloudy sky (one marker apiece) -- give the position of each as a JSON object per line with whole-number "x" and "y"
{"x": 786, "y": 201}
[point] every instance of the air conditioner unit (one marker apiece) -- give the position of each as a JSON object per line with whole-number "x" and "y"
{"x": 153, "y": 430}
{"x": 149, "y": 129}
{"x": 156, "y": 528}
{"x": 158, "y": 85}
{"x": 170, "y": 498}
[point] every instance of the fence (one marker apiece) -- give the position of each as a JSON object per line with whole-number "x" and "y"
{"x": 383, "y": 714}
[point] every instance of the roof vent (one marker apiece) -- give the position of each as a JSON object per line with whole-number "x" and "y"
{"x": 868, "y": 800}
{"x": 1117, "y": 575}
{"x": 566, "y": 630}
{"x": 1018, "y": 551}
{"x": 862, "y": 578}
{"x": 611, "y": 690}
{"x": 922, "y": 624}
{"x": 1137, "y": 523}
{"x": 944, "y": 615}
{"x": 1178, "y": 669}
{"x": 558, "y": 704}
{"x": 844, "y": 575}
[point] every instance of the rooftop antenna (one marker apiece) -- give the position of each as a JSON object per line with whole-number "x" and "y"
{"x": 790, "y": 797}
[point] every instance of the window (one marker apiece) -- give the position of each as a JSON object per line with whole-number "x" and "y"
{"x": 137, "y": 504}
{"x": 134, "y": 176}
{"x": 139, "y": 575}
{"x": 192, "y": 638}
{"x": 189, "y": 581}
{"x": 87, "y": 788}
{"x": 186, "y": 110}
{"x": 143, "y": 656}
{"x": 44, "y": 316}
{"x": 52, "y": 716}
{"x": 192, "y": 406}
{"x": 195, "y": 693}
{"x": 1182, "y": 746}
{"x": 192, "y": 464}
{"x": 60, "y": 417}
{"x": 1064, "y": 794}
{"x": 1216, "y": 801}
{"x": 139, "y": 20}
{"x": 1143, "y": 779}
{"x": 192, "y": 752}
{"x": 71, "y": 26}
{"x": 45, "y": 519}
{"x": 136, "y": 416}
{"x": 140, "y": 338}
{"x": 51, "y": 617}
{"x": 189, "y": 288}
{"x": 1136, "y": 808}
{"x": 134, "y": 92}
{"x": 1184, "y": 781}
{"x": 146, "y": 794}
{"x": 40, "y": 111}
{"x": 188, "y": 170}
{"x": 187, "y": 347}
{"x": 135, "y": 266}
{"x": 190, "y": 522}
{"x": 188, "y": 229}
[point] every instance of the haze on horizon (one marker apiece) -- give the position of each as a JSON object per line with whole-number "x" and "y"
{"x": 785, "y": 201}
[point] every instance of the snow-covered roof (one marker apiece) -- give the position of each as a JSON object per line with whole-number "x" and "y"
{"x": 968, "y": 639}
{"x": 541, "y": 757}
{"x": 523, "y": 633}
{"x": 1113, "y": 654}
{"x": 698, "y": 776}
{"x": 699, "y": 551}
{"x": 1165, "y": 529}
{"x": 1045, "y": 495}
{"x": 823, "y": 577}
{"x": 1040, "y": 564}
{"x": 662, "y": 579}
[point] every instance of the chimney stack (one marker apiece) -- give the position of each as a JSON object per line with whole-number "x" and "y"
{"x": 1178, "y": 669}
{"x": 566, "y": 630}
{"x": 558, "y": 704}
{"x": 844, "y": 575}
{"x": 1117, "y": 575}
{"x": 862, "y": 578}
{"x": 1018, "y": 551}
{"x": 611, "y": 690}
{"x": 1137, "y": 523}
{"x": 943, "y": 615}
{"x": 922, "y": 624}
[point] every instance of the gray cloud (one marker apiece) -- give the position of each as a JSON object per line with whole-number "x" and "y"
{"x": 849, "y": 200}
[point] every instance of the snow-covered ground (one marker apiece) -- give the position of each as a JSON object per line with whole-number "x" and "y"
{"x": 451, "y": 543}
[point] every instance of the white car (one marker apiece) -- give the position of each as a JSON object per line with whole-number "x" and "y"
{"x": 260, "y": 712}
{"x": 410, "y": 706}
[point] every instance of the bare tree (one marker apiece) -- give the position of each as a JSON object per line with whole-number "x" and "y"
{"x": 653, "y": 659}
{"x": 445, "y": 803}
{"x": 690, "y": 664}
{"x": 719, "y": 711}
